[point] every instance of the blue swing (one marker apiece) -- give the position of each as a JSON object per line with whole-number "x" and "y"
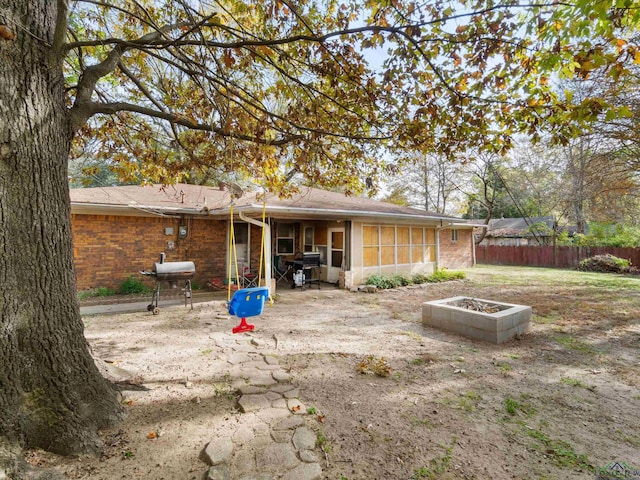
{"x": 248, "y": 302}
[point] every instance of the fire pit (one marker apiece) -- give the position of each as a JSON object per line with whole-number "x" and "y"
{"x": 495, "y": 322}
{"x": 171, "y": 272}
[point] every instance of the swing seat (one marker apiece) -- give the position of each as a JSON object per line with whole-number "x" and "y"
{"x": 248, "y": 302}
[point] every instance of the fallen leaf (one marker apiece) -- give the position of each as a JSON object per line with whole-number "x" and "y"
{"x": 152, "y": 435}
{"x": 320, "y": 418}
{"x": 295, "y": 408}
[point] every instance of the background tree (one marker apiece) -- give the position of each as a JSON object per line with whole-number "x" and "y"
{"x": 283, "y": 87}
{"x": 429, "y": 181}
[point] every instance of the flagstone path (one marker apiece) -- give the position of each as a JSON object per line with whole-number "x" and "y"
{"x": 271, "y": 439}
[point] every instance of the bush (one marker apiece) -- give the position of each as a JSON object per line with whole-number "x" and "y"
{"x": 445, "y": 275}
{"x": 96, "y": 292}
{"x": 393, "y": 281}
{"x": 383, "y": 281}
{"x": 132, "y": 285}
{"x": 419, "y": 278}
{"x": 604, "y": 263}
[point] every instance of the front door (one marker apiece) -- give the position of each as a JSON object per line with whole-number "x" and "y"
{"x": 335, "y": 260}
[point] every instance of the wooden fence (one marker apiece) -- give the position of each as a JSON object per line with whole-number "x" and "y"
{"x": 549, "y": 256}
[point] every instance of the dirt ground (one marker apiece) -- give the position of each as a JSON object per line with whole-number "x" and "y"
{"x": 556, "y": 404}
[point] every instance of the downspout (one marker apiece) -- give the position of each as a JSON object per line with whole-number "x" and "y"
{"x": 438, "y": 246}
{"x": 267, "y": 247}
{"x": 438, "y": 229}
{"x": 473, "y": 242}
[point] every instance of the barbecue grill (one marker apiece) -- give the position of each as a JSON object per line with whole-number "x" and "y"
{"x": 172, "y": 273}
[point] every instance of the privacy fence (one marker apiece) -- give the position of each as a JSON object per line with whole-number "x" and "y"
{"x": 549, "y": 256}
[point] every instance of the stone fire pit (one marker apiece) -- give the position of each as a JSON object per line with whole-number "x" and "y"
{"x": 488, "y": 320}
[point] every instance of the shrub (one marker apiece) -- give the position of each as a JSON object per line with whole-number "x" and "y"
{"x": 96, "y": 292}
{"x": 132, "y": 285}
{"x": 382, "y": 281}
{"x": 604, "y": 263}
{"x": 393, "y": 281}
{"x": 444, "y": 275}
{"x": 419, "y": 278}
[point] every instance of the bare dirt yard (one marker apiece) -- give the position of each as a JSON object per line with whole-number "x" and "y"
{"x": 559, "y": 403}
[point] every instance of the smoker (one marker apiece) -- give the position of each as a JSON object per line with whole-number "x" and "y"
{"x": 172, "y": 273}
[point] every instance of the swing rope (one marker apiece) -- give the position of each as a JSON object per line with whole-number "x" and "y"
{"x": 262, "y": 243}
{"x": 233, "y": 254}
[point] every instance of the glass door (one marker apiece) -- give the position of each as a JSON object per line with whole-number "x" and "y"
{"x": 336, "y": 254}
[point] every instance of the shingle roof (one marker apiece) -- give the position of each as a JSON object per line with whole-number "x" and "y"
{"x": 185, "y": 198}
{"x": 516, "y": 227}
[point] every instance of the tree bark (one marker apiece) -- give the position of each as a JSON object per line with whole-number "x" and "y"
{"x": 52, "y": 395}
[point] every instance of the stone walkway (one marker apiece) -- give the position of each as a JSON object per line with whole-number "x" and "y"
{"x": 271, "y": 440}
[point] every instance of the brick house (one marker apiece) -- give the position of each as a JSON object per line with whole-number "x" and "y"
{"x": 120, "y": 231}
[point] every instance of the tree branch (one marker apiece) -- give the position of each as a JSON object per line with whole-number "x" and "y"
{"x": 61, "y": 27}
{"x": 111, "y": 108}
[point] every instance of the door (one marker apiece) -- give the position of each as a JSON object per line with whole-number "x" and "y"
{"x": 335, "y": 258}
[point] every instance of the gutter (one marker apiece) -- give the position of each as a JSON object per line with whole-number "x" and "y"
{"x": 346, "y": 213}
{"x": 78, "y": 207}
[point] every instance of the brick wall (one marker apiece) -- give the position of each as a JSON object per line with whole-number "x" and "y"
{"x": 109, "y": 249}
{"x": 458, "y": 254}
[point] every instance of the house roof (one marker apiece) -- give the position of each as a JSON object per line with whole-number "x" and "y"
{"x": 309, "y": 203}
{"x": 516, "y": 227}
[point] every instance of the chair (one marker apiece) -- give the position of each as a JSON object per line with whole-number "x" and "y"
{"x": 248, "y": 279}
{"x": 280, "y": 272}
{"x": 248, "y": 302}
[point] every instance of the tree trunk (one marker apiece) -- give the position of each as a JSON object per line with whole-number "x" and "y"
{"x": 51, "y": 393}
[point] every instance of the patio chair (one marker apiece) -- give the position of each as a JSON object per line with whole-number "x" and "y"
{"x": 280, "y": 271}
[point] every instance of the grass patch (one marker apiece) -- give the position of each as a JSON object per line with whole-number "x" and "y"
{"x": 559, "y": 451}
{"x": 574, "y": 382}
{"x": 96, "y": 292}
{"x": 437, "y": 465}
{"x": 513, "y": 407}
{"x": 490, "y": 275}
{"x": 466, "y": 401}
{"x": 631, "y": 439}
{"x": 572, "y": 343}
{"x": 417, "y": 422}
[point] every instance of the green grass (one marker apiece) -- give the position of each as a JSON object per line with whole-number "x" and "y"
{"x": 574, "y": 382}
{"x": 96, "y": 292}
{"x": 437, "y": 465}
{"x": 549, "y": 277}
{"x": 513, "y": 407}
{"x": 559, "y": 451}
{"x": 572, "y": 343}
{"x": 401, "y": 280}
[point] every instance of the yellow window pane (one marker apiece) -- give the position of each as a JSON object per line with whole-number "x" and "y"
{"x": 388, "y": 235}
{"x": 417, "y": 254}
{"x": 388, "y": 256}
{"x": 370, "y": 256}
{"x": 431, "y": 254}
{"x": 416, "y": 236}
{"x": 403, "y": 235}
{"x": 320, "y": 236}
{"x": 370, "y": 235}
{"x": 431, "y": 236}
{"x": 403, "y": 255}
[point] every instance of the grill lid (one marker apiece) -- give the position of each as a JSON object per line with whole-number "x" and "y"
{"x": 174, "y": 270}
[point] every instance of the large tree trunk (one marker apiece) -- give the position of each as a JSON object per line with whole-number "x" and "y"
{"x": 51, "y": 393}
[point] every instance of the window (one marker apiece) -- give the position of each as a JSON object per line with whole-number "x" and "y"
{"x": 454, "y": 235}
{"x": 371, "y": 247}
{"x": 308, "y": 239}
{"x": 285, "y": 241}
{"x": 401, "y": 245}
